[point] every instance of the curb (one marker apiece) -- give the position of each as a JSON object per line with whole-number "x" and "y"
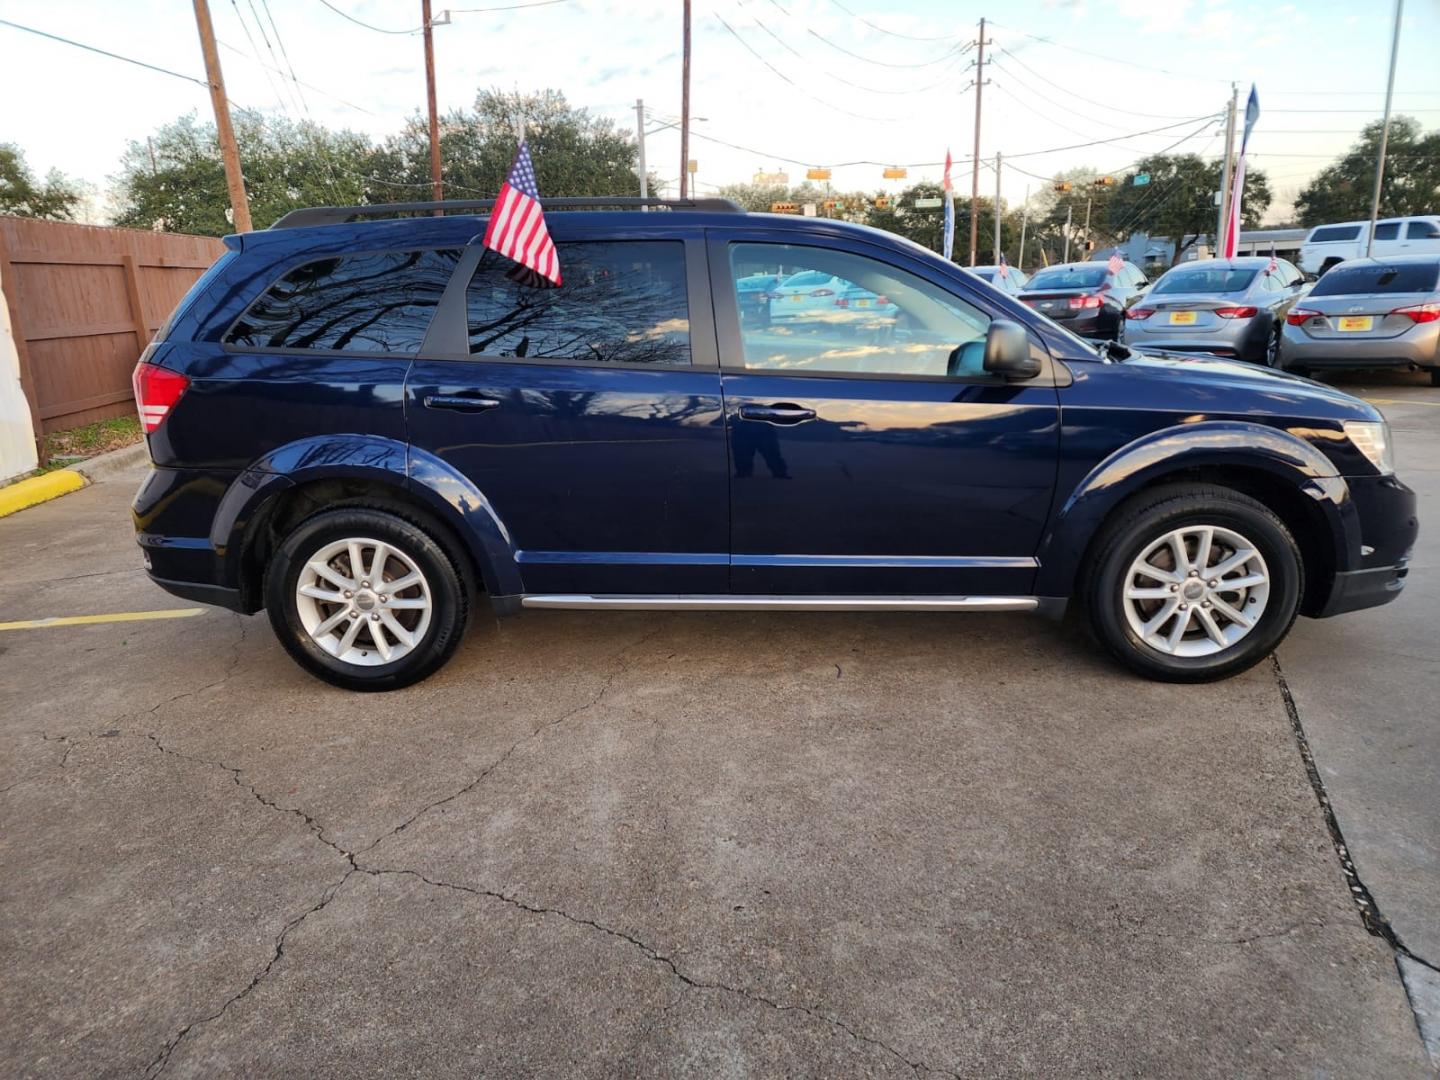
{"x": 52, "y": 485}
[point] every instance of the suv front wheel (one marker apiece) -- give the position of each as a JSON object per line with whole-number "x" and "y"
{"x": 1192, "y": 583}
{"x": 365, "y": 599}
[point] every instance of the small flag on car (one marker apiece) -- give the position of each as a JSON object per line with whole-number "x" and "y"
{"x": 1004, "y": 267}
{"x": 1115, "y": 264}
{"x": 1272, "y": 265}
{"x": 517, "y": 226}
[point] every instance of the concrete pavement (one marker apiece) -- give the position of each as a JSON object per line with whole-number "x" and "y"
{"x": 696, "y": 844}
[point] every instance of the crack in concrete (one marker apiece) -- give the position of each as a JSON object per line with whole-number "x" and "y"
{"x": 653, "y": 954}
{"x": 549, "y": 725}
{"x": 1371, "y": 916}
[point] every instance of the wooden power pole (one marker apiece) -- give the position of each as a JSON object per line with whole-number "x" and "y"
{"x": 234, "y": 178}
{"x": 975, "y": 162}
{"x": 685, "y": 108}
{"x": 435, "y": 190}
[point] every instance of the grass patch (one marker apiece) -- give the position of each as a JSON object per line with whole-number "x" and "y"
{"x": 92, "y": 439}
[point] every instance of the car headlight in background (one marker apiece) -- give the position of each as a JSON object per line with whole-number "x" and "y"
{"x": 1372, "y": 438}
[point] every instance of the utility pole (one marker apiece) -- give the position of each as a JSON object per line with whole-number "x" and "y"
{"x": 997, "y": 207}
{"x": 234, "y": 178}
{"x": 435, "y": 191}
{"x": 685, "y": 108}
{"x": 640, "y": 142}
{"x": 1385, "y": 130}
{"x": 1024, "y": 220}
{"x": 975, "y": 163}
{"x": 1069, "y": 208}
{"x": 1225, "y": 173}
{"x": 1088, "y": 200}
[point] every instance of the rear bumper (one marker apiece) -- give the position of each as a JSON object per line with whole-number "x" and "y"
{"x": 201, "y": 593}
{"x": 1405, "y": 351}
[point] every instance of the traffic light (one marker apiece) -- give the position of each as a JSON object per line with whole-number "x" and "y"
{"x": 882, "y": 202}
{"x": 1063, "y": 186}
{"x": 784, "y": 208}
{"x": 831, "y": 205}
{"x": 1104, "y": 181}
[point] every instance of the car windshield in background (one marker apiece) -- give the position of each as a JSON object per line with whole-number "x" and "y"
{"x": 1370, "y": 278}
{"x": 1205, "y": 281}
{"x": 1087, "y": 278}
{"x": 806, "y": 277}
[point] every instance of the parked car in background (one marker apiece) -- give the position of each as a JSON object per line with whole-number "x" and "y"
{"x": 1368, "y": 313}
{"x": 1330, "y": 245}
{"x": 752, "y": 294}
{"x": 853, "y": 298}
{"x": 372, "y": 430}
{"x": 1012, "y": 281}
{"x": 1229, "y": 307}
{"x": 1087, "y": 298}
{"x": 805, "y": 295}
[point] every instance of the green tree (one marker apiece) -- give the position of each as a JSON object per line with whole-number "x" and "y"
{"x": 175, "y": 180}
{"x": 1411, "y": 185}
{"x": 1179, "y": 200}
{"x": 21, "y": 194}
{"x": 575, "y": 153}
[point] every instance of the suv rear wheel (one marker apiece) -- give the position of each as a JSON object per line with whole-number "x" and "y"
{"x": 365, "y": 600}
{"x": 1192, "y": 583}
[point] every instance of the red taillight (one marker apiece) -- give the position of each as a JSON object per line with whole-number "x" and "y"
{"x": 1139, "y": 312}
{"x": 1237, "y": 312}
{"x": 1420, "y": 313}
{"x": 840, "y": 301}
{"x": 823, "y": 292}
{"x": 1296, "y": 316}
{"x": 881, "y": 300}
{"x": 157, "y": 390}
{"x": 1078, "y": 302}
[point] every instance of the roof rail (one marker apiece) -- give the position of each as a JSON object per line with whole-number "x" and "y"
{"x": 334, "y": 215}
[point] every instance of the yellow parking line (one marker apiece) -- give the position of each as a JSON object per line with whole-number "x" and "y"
{"x": 1401, "y": 401}
{"x": 87, "y": 620}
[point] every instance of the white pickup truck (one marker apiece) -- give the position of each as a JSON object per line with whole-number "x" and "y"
{"x": 1327, "y": 245}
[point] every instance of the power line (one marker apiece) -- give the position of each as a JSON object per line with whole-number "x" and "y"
{"x": 1109, "y": 59}
{"x": 309, "y": 86}
{"x": 885, "y": 63}
{"x": 1080, "y": 97}
{"x": 366, "y": 25}
{"x": 105, "y": 52}
{"x": 284, "y": 52}
{"x": 507, "y": 7}
{"x": 255, "y": 51}
{"x": 892, "y": 33}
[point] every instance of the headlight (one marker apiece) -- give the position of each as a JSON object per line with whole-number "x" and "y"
{"x": 1372, "y": 438}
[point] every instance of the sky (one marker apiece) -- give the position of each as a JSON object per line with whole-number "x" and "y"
{"x": 777, "y": 85}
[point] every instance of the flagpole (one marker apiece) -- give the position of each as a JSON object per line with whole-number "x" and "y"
{"x": 1384, "y": 130}
{"x": 1024, "y": 220}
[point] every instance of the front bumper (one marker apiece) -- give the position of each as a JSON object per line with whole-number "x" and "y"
{"x": 1360, "y": 589}
{"x": 1374, "y": 569}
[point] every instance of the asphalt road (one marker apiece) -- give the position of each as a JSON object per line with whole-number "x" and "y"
{"x": 705, "y": 844}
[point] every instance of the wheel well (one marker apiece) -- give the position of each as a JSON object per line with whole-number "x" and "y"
{"x": 1301, "y": 516}
{"x": 306, "y": 500}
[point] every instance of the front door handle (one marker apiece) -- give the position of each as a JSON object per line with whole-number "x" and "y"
{"x": 460, "y": 402}
{"x": 782, "y": 412}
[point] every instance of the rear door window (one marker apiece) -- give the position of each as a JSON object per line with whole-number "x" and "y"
{"x": 622, "y": 302}
{"x": 352, "y": 303}
{"x": 1370, "y": 279}
{"x": 1422, "y": 230}
{"x": 1331, "y": 233}
{"x": 1388, "y": 231}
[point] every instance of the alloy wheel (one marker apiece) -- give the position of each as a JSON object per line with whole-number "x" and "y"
{"x": 363, "y": 601}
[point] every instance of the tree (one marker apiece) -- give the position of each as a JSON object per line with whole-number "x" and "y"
{"x": 575, "y": 153}
{"x": 1411, "y": 185}
{"x": 175, "y": 179}
{"x": 20, "y": 193}
{"x": 1179, "y": 200}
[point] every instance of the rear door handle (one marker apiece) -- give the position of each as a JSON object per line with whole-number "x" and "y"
{"x": 460, "y": 402}
{"x": 782, "y": 412}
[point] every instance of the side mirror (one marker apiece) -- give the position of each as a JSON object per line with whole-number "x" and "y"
{"x": 1007, "y": 351}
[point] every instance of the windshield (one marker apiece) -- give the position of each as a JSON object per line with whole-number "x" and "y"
{"x": 1218, "y": 280}
{"x": 1369, "y": 278}
{"x": 806, "y": 277}
{"x": 1085, "y": 277}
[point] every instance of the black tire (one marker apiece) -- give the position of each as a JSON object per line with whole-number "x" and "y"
{"x": 1270, "y": 351}
{"x": 448, "y": 597}
{"x": 1435, "y": 376}
{"x": 1136, "y": 525}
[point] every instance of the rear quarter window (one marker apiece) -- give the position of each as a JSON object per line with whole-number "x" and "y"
{"x": 352, "y": 303}
{"x": 1371, "y": 279}
{"x": 1329, "y": 234}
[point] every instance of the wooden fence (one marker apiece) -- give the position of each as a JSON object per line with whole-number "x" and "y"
{"x": 84, "y": 302}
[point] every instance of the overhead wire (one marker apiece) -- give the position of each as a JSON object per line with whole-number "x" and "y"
{"x": 1078, "y": 96}
{"x": 891, "y": 33}
{"x": 105, "y": 52}
{"x": 369, "y": 26}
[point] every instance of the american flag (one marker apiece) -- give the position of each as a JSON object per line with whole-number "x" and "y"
{"x": 1004, "y": 268}
{"x": 517, "y": 225}
{"x": 948, "y": 237}
{"x": 1273, "y": 264}
{"x": 1115, "y": 264}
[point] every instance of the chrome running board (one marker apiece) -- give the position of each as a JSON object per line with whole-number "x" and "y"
{"x": 722, "y": 602}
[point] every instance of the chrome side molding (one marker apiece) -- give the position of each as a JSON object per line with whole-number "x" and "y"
{"x": 723, "y": 602}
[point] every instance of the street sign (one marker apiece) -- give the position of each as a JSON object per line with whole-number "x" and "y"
{"x": 692, "y": 166}
{"x": 818, "y": 174}
{"x": 895, "y": 172}
{"x": 769, "y": 179}
{"x": 1141, "y": 179}
{"x": 928, "y": 204}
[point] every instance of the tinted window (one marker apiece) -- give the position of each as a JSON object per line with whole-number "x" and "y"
{"x": 1422, "y": 230}
{"x": 377, "y": 303}
{"x": 1087, "y": 277}
{"x": 1369, "y": 278}
{"x": 1331, "y": 233}
{"x": 881, "y": 320}
{"x": 1218, "y": 280}
{"x": 621, "y": 303}
{"x": 1389, "y": 231}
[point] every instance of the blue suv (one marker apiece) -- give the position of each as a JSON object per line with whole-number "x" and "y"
{"x": 364, "y": 426}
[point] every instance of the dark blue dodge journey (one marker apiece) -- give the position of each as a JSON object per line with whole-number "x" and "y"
{"x": 364, "y": 425}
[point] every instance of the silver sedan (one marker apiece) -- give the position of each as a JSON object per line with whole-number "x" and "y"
{"x": 1368, "y": 313}
{"x": 1231, "y": 307}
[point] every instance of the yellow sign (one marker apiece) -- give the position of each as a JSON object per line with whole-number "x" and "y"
{"x": 692, "y": 166}
{"x": 1356, "y": 322}
{"x": 818, "y": 174}
{"x": 895, "y": 172}
{"x": 1182, "y": 318}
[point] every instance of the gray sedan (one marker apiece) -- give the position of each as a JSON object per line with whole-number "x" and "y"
{"x": 1231, "y": 307}
{"x": 1368, "y": 313}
